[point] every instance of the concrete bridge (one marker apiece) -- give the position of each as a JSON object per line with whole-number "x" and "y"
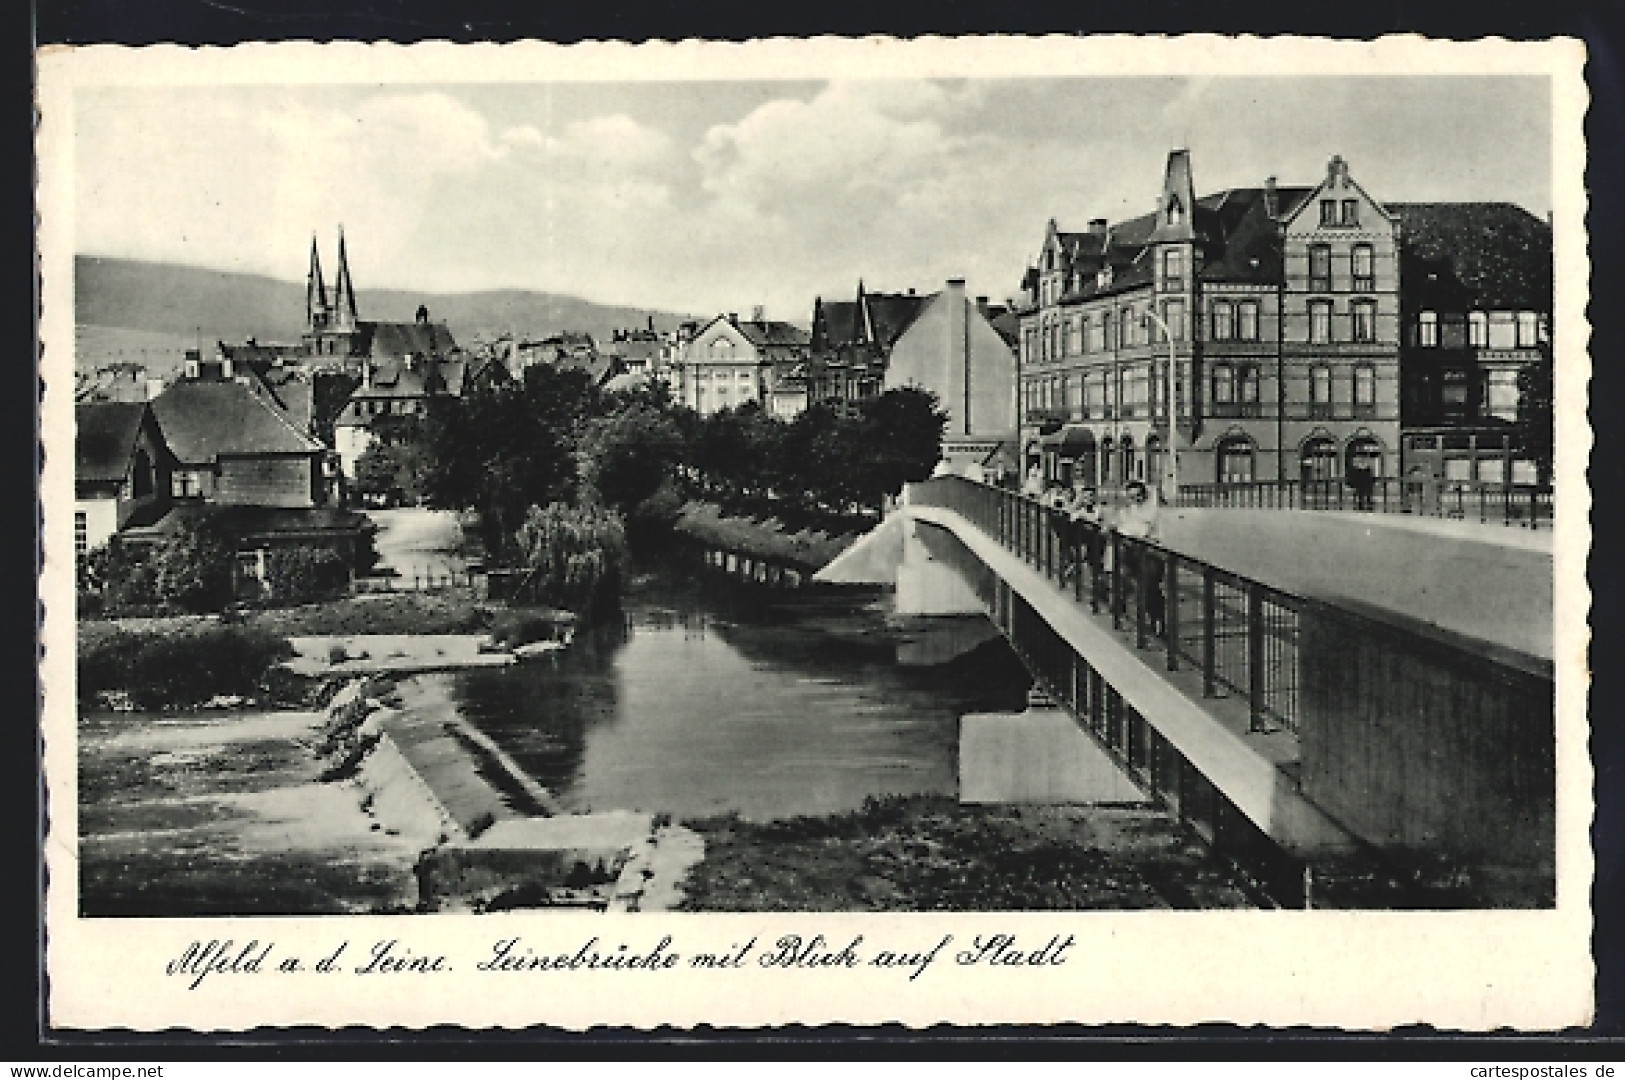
{"x": 1329, "y": 704}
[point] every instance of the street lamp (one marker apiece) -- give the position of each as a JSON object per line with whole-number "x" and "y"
{"x": 1170, "y": 489}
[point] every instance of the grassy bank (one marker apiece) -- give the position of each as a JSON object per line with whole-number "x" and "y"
{"x": 767, "y": 538}
{"x": 929, "y": 853}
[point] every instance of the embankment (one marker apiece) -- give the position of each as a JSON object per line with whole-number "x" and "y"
{"x": 765, "y": 541}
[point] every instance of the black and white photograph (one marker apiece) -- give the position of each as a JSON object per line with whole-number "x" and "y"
{"x": 806, "y": 501}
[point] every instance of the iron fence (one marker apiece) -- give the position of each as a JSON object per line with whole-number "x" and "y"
{"x": 1240, "y": 634}
{"x": 1524, "y": 505}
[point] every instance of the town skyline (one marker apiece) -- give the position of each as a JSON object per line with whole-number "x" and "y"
{"x": 691, "y": 197}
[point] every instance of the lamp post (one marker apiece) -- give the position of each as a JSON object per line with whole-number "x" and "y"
{"x": 1170, "y": 474}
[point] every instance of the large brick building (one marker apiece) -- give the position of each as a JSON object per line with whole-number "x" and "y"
{"x": 1284, "y": 314}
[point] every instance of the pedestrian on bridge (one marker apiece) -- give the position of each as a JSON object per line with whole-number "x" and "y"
{"x": 1139, "y": 519}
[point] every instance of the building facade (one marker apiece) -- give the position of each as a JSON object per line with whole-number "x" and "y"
{"x": 852, "y": 342}
{"x": 1255, "y": 331}
{"x": 122, "y": 469}
{"x": 952, "y": 349}
{"x": 732, "y": 361}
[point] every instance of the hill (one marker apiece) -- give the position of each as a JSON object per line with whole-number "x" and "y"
{"x": 150, "y": 305}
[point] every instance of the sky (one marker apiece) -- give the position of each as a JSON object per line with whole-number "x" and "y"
{"x": 708, "y": 197}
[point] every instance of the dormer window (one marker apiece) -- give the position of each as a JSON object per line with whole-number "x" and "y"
{"x": 1176, "y": 212}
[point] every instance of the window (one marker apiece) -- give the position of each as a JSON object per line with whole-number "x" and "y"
{"x": 1136, "y": 390}
{"x": 1073, "y": 391}
{"x": 1328, "y": 211}
{"x": 1173, "y": 313}
{"x": 1320, "y": 322}
{"x": 1503, "y": 330}
{"x": 1247, "y": 320}
{"x": 1363, "y": 263}
{"x": 186, "y": 484}
{"x": 1453, "y": 392}
{"x": 1173, "y": 268}
{"x": 1074, "y": 336}
{"x": 1478, "y": 329}
{"x": 1318, "y": 460}
{"x": 1365, "y": 320}
{"x": 1320, "y": 268}
{"x": 1224, "y": 388}
{"x": 1235, "y": 460}
{"x": 1458, "y": 470}
{"x": 1427, "y": 329}
{"x": 1501, "y": 393}
{"x": 1365, "y": 386}
{"x": 81, "y": 533}
{"x": 1176, "y": 212}
{"x": 1320, "y": 389}
{"x": 721, "y": 348}
{"x": 1086, "y": 330}
{"x": 1094, "y": 394}
{"x": 1247, "y": 385}
{"x": 1125, "y": 328}
{"x": 1528, "y": 329}
{"x": 1492, "y": 470}
{"x": 1366, "y": 452}
{"x": 1108, "y": 331}
{"x": 1224, "y": 324}
{"x": 1351, "y": 211}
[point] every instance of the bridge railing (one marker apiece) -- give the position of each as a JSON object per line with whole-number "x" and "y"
{"x": 1239, "y": 634}
{"x": 1526, "y": 505}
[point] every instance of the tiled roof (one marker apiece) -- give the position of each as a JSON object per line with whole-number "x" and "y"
{"x": 203, "y": 420}
{"x": 768, "y": 333}
{"x": 892, "y": 313}
{"x": 840, "y": 324}
{"x": 392, "y": 339}
{"x": 1501, "y": 253}
{"x": 253, "y": 522}
{"x": 105, "y": 439}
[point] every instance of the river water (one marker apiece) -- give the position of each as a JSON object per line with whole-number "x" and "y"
{"x": 713, "y": 697}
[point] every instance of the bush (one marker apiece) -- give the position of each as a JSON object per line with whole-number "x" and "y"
{"x": 161, "y": 670}
{"x": 122, "y": 575}
{"x": 192, "y": 569}
{"x": 304, "y": 573}
{"x": 575, "y": 555}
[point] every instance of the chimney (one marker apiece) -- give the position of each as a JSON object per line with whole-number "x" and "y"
{"x": 733, "y": 317}
{"x": 911, "y": 292}
{"x": 758, "y": 313}
{"x": 1097, "y": 227}
{"x": 1337, "y": 171}
{"x": 981, "y": 306}
{"x": 1272, "y": 202}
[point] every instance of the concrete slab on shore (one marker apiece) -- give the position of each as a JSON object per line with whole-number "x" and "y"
{"x": 393, "y": 654}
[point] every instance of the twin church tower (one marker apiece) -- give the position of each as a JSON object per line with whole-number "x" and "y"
{"x": 331, "y": 323}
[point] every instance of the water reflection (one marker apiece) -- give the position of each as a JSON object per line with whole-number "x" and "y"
{"x": 707, "y": 699}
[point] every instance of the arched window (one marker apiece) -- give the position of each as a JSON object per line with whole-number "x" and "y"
{"x": 1318, "y": 459}
{"x": 722, "y": 348}
{"x": 1176, "y": 212}
{"x": 1153, "y": 458}
{"x": 1363, "y": 451}
{"x": 1235, "y": 459}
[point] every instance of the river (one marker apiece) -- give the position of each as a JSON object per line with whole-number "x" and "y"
{"x": 712, "y": 697}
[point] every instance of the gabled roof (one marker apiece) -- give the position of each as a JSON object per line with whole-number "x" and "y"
{"x": 839, "y": 325}
{"x": 105, "y": 439}
{"x": 201, "y": 421}
{"x": 1500, "y": 252}
{"x": 768, "y": 333}
{"x": 890, "y": 314}
{"x": 392, "y": 339}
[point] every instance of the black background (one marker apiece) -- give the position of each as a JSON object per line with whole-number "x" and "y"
{"x": 195, "y": 22}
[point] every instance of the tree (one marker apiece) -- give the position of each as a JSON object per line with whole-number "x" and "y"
{"x": 900, "y": 433}
{"x": 627, "y": 456}
{"x": 193, "y": 568}
{"x": 576, "y": 555}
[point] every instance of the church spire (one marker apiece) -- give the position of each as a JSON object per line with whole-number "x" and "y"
{"x": 315, "y": 291}
{"x": 344, "y": 312}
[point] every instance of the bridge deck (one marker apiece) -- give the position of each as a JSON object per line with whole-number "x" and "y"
{"x": 1255, "y": 770}
{"x": 1482, "y": 581}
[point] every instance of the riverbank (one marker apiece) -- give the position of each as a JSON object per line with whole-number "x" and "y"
{"x": 765, "y": 539}
{"x": 928, "y": 853}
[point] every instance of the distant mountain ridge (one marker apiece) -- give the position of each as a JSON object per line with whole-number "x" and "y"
{"x": 190, "y": 302}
